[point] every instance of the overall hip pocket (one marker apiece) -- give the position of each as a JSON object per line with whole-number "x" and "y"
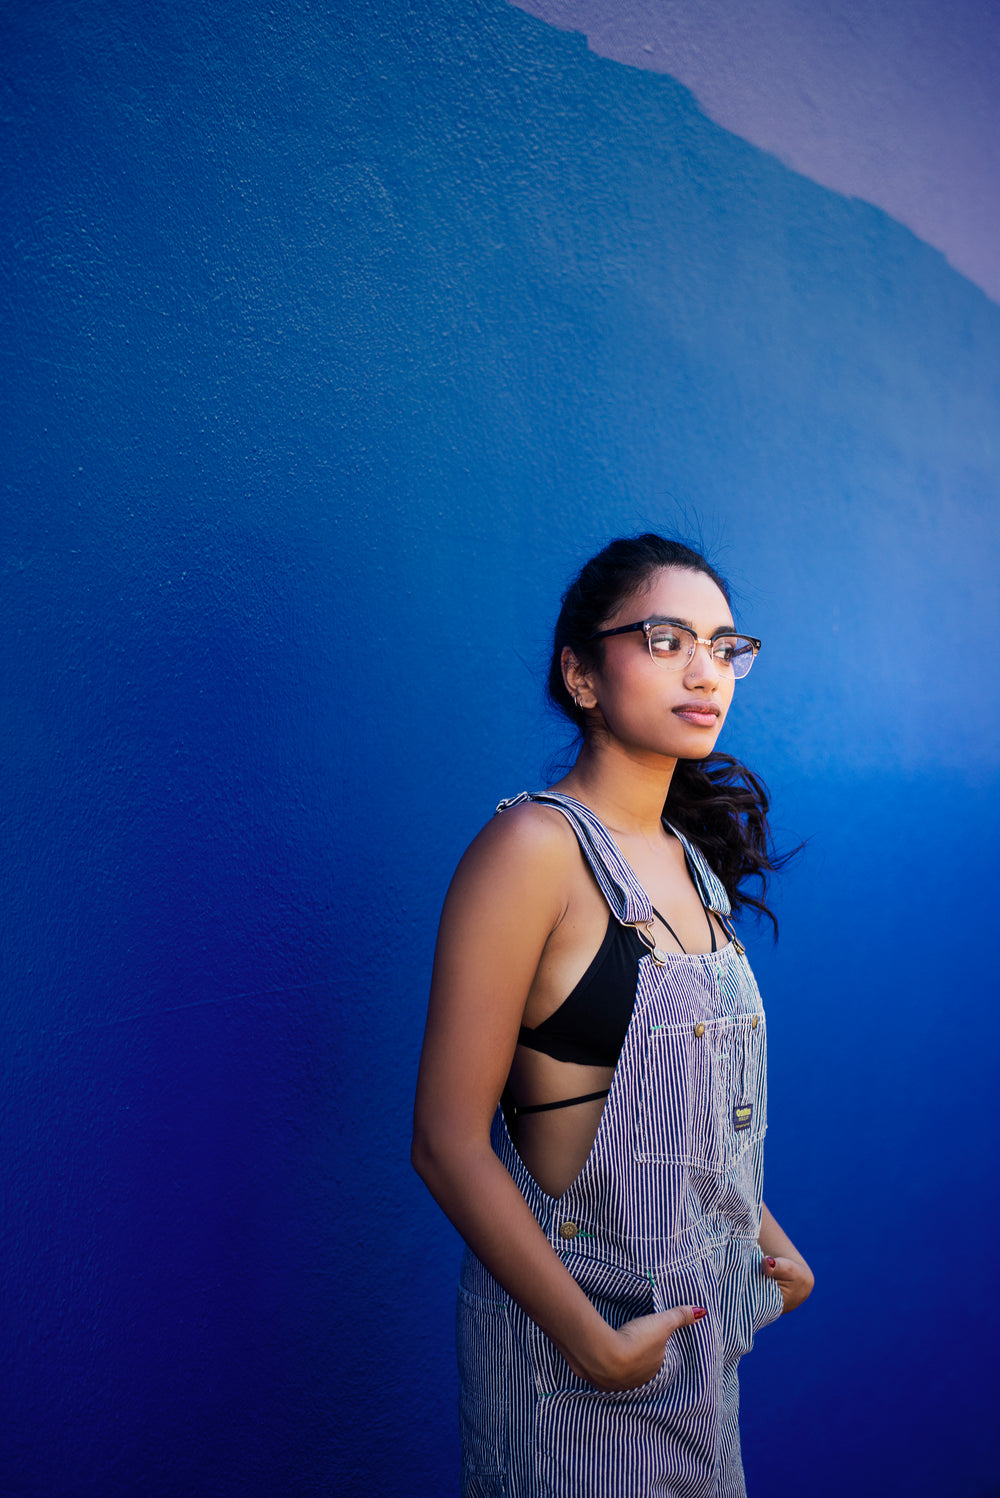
{"x": 618, "y": 1295}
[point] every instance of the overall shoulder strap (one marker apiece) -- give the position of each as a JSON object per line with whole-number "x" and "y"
{"x": 709, "y": 885}
{"x": 619, "y": 886}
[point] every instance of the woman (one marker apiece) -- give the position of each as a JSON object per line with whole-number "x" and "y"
{"x": 587, "y": 980}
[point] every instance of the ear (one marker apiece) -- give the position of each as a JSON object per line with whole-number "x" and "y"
{"x": 577, "y": 679}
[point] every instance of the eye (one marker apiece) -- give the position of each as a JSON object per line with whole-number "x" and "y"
{"x": 726, "y": 648}
{"x": 734, "y": 654}
{"x": 665, "y": 641}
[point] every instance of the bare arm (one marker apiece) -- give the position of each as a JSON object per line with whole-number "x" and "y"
{"x": 507, "y": 897}
{"x": 783, "y": 1262}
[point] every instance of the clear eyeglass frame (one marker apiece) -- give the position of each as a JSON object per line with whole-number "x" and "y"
{"x": 732, "y": 654}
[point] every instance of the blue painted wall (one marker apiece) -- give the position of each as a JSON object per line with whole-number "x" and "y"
{"x": 333, "y": 344}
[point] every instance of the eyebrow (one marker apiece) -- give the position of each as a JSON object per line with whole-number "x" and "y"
{"x": 723, "y": 629}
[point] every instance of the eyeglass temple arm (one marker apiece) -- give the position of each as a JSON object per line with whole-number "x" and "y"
{"x": 623, "y": 629}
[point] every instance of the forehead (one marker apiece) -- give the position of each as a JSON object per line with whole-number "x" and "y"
{"x": 675, "y": 593}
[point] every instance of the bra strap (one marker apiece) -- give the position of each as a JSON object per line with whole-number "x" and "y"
{"x": 670, "y": 928}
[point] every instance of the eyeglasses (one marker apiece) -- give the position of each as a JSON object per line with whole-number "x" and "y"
{"x": 673, "y": 645}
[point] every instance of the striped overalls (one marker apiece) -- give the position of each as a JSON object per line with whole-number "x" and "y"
{"x": 665, "y": 1212}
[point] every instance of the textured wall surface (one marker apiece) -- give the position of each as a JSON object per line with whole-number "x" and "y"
{"x": 333, "y": 343}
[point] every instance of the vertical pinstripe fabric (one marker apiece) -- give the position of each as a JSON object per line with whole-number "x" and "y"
{"x": 665, "y": 1212}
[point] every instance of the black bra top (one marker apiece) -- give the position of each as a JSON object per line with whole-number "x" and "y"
{"x": 589, "y": 1027}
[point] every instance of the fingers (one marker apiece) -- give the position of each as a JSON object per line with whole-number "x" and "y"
{"x": 688, "y": 1315}
{"x": 665, "y": 1323}
{"x": 788, "y": 1271}
{"x": 794, "y": 1279}
{"x": 658, "y": 1326}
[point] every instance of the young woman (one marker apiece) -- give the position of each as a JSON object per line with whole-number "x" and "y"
{"x": 592, "y": 1096}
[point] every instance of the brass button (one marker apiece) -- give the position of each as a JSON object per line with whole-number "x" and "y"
{"x": 754, "y": 1022}
{"x": 699, "y": 1030}
{"x": 568, "y": 1230}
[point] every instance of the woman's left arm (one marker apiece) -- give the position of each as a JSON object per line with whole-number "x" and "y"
{"x": 783, "y": 1262}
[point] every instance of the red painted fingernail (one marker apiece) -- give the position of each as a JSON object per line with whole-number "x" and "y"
{"x": 770, "y": 1263}
{"x": 698, "y": 1312}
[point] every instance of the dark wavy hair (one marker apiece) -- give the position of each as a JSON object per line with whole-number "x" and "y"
{"x": 716, "y": 801}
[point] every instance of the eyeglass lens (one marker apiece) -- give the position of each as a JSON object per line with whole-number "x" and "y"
{"x": 673, "y": 646}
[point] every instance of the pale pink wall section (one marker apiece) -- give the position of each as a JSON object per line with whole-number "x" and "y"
{"x": 896, "y": 102}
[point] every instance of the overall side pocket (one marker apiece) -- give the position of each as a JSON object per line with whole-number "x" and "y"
{"x": 482, "y": 1336}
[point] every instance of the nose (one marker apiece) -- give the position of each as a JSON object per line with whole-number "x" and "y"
{"x": 701, "y": 668}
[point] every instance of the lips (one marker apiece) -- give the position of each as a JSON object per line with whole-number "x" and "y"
{"x": 698, "y": 714}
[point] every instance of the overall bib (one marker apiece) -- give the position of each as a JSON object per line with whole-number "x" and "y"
{"x": 665, "y": 1212}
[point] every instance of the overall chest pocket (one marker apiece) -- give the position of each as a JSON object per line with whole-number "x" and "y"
{"x": 703, "y": 1098}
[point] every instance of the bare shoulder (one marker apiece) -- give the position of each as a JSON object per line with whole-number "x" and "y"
{"x": 523, "y": 862}
{"x": 524, "y": 838}
{"x": 511, "y": 890}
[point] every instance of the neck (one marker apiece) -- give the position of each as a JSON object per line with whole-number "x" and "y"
{"x": 626, "y": 790}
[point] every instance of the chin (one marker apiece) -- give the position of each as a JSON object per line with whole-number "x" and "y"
{"x": 696, "y": 746}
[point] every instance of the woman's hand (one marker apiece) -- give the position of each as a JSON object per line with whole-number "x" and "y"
{"x": 634, "y": 1353}
{"x": 795, "y": 1279}
{"x": 783, "y": 1262}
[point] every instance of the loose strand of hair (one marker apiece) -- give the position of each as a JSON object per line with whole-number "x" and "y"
{"x": 722, "y": 806}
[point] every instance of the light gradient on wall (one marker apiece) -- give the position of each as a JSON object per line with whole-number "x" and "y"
{"x": 894, "y": 103}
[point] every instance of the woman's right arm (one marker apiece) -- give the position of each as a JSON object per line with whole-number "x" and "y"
{"x": 508, "y": 895}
